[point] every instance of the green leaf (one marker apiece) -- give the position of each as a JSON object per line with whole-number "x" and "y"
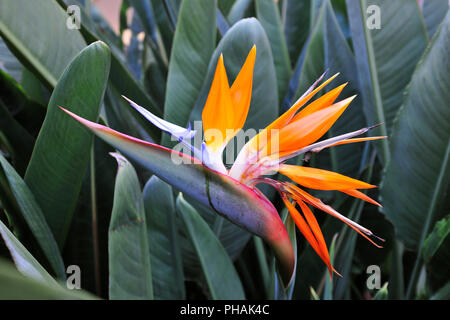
{"x": 225, "y": 6}
{"x": 443, "y": 293}
{"x": 143, "y": 9}
{"x": 123, "y": 117}
{"x": 282, "y": 291}
{"x": 263, "y": 263}
{"x": 235, "y": 46}
{"x": 9, "y": 62}
{"x": 434, "y": 12}
{"x": 33, "y": 87}
{"x": 87, "y": 239}
{"x": 436, "y": 254}
{"x": 193, "y": 45}
{"x": 239, "y": 10}
{"x": 61, "y": 153}
{"x": 164, "y": 26}
{"x": 221, "y": 276}
{"x": 420, "y": 147}
{"x": 39, "y": 48}
{"x": 385, "y": 57}
{"x": 23, "y": 259}
{"x": 130, "y": 275}
{"x": 269, "y": 17}
{"x": 345, "y": 159}
{"x": 167, "y": 267}
{"x": 328, "y": 291}
{"x": 396, "y": 286}
{"x": 345, "y": 256}
{"x": 14, "y": 285}
{"x": 233, "y": 238}
{"x": 20, "y": 140}
{"x": 121, "y": 80}
{"x": 382, "y": 293}
{"x": 296, "y": 25}
{"x": 33, "y": 216}
{"x": 314, "y": 295}
{"x": 310, "y": 64}
{"x": 436, "y": 238}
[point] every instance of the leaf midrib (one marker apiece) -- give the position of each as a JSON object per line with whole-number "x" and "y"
{"x": 374, "y": 81}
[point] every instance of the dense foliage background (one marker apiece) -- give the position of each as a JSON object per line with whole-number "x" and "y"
{"x": 64, "y": 202}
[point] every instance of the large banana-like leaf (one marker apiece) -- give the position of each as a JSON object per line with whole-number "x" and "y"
{"x": 61, "y": 153}
{"x": 221, "y": 276}
{"x": 130, "y": 275}
{"x": 19, "y": 141}
{"x": 164, "y": 27}
{"x": 225, "y": 6}
{"x": 420, "y": 147}
{"x": 48, "y": 58}
{"x": 121, "y": 80}
{"x": 436, "y": 253}
{"x": 228, "y": 197}
{"x": 162, "y": 232}
{"x": 232, "y": 237}
{"x": 386, "y": 55}
{"x": 434, "y": 12}
{"x": 269, "y": 16}
{"x": 296, "y": 25}
{"x": 414, "y": 191}
{"x": 239, "y": 10}
{"x": 9, "y": 62}
{"x": 192, "y": 47}
{"x": 281, "y": 292}
{"x": 28, "y": 208}
{"x": 14, "y": 285}
{"x": 23, "y": 259}
{"x": 87, "y": 239}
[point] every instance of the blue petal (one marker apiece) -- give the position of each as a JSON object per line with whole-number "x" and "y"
{"x": 178, "y": 132}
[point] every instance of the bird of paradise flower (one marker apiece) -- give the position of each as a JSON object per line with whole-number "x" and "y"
{"x": 232, "y": 192}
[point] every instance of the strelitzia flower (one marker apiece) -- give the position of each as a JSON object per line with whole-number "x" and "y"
{"x": 232, "y": 192}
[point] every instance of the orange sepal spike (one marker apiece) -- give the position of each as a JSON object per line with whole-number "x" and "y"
{"x": 321, "y": 179}
{"x": 360, "y": 195}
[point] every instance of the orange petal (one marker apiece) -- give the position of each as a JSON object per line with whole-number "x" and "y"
{"x": 321, "y": 179}
{"x": 217, "y": 115}
{"x": 312, "y": 222}
{"x": 323, "y": 102}
{"x": 241, "y": 90}
{"x": 297, "y": 192}
{"x": 304, "y": 229}
{"x": 360, "y": 195}
{"x": 306, "y": 130}
{"x": 226, "y": 109}
{"x": 286, "y": 117}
